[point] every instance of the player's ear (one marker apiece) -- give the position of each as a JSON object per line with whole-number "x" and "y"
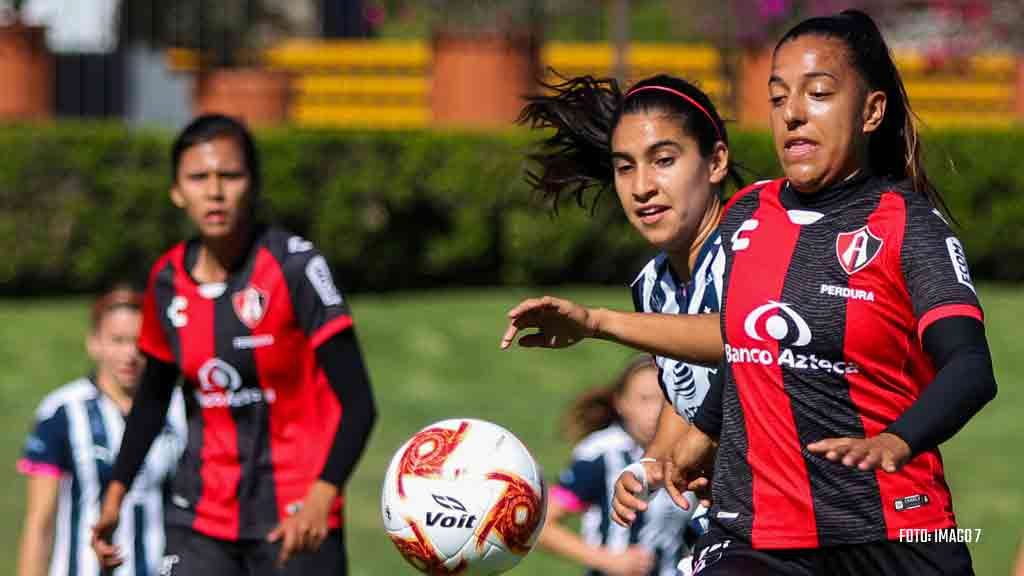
{"x": 874, "y": 110}
{"x": 719, "y": 162}
{"x": 92, "y": 344}
{"x": 177, "y": 197}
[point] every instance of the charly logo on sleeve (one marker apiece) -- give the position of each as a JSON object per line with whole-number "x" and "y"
{"x": 780, "y": 322}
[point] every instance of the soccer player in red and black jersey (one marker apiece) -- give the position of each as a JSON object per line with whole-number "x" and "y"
{"x": 278, "y": 399}
{"x": 853, "y": 337}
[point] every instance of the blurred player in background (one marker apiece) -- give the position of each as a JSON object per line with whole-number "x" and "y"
{"x": 69, "y": 456}
{"x": 279, "y": 401}
{"x": 612, "y": 425}
{"x": 854, "y": 339}
{"x": 664, "y": 149}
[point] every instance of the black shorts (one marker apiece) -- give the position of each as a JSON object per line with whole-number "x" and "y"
{"x": 719, "y": 554}
{"x": 189, "y": 553}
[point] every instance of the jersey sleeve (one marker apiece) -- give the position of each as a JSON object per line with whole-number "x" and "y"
{"x": 152, "y": 338}
{"x": 47, "y": 451}
{"x": 935, "y": 269}
{"x": 581, "y": 484}
{"x": 319, "y": 306}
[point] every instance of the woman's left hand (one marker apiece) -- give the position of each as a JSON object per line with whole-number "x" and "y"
{"x": 886, "y": 451}
{"x": 305, "y": 530}
{"x": 559, "y": 323}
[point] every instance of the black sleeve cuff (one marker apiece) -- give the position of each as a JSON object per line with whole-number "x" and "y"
{"x": 963, "y": 384}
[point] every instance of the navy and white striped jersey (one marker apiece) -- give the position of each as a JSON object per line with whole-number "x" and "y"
{"x": 588, "y": 485}
{"x": 77, "y": 433}
{"x": 658, "y": 289}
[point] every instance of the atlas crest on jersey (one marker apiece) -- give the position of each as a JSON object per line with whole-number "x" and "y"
{"x": 857, "y": 249}
{"x": 250, "y": 305}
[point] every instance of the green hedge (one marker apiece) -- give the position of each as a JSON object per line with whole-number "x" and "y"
{"x": 82, "y": 204}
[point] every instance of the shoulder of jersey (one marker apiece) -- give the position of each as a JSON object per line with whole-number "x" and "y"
{"x": 75, "y": 391}
{"x": 756, "y": 186}
{"x": 288, "y": 245}
{"x": 598, "y": 443}
{"x": 917, "y": 205}
{"x": 649, "y": 269}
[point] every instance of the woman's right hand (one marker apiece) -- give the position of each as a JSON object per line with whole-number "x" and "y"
{"x": 693, "y": 460}
{"x": 107, "y": 553}
{"x": 559, "y": 323}
{"x": 633, "y": 561}
{"x": 627, "y": 500}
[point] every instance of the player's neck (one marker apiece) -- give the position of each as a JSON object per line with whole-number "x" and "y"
{"x": 685, "y": 259}
{"x": 111, "y": 389}
{"x": 218, "y": 256}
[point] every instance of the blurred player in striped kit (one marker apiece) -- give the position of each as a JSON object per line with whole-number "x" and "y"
{"x": 69, "y": 455}
{"x": 612, "y": 425}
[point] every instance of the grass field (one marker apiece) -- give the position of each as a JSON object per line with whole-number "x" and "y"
{"x": 435, "y": 355}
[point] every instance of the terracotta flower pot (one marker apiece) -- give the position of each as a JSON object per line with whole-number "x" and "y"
{"x": 1020, "y": 90}
{"x": 480, "y": 80}
{"x": 755, "y": 69}
{"x": 27, "y": 69}
{"x": 257, "y": 95}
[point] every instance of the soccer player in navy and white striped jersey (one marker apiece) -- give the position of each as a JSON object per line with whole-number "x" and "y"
{"x": 659, "y": 289}
{"x": 664, "y": 149}
{"x": 70, "y": 452}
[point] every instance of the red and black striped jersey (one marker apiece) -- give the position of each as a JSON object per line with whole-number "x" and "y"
{"x": 261, "y": 413}
{"x": 826, "y": 298}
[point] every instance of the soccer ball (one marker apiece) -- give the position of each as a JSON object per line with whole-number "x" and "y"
{"x": 463, "y": 497}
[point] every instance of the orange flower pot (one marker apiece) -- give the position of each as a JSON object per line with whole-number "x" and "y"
{"x": 27, "y": 70}
{"x": 480, "y": 81}
{"x": 258, "y": 96}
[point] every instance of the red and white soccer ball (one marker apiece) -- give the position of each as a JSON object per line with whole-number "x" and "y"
{"x": 463, "y": 497}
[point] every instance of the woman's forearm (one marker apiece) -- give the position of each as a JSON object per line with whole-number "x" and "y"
{"x": 694, "y": 338}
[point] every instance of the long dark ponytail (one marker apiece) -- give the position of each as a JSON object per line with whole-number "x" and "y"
{"x": 584, "y": 112}
{"x": 895, "y": 147}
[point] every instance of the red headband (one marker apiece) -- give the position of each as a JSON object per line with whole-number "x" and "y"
{"x": 684, "y": 97}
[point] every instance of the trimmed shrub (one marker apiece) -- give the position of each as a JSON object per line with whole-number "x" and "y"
{"x": 82, "y": 204}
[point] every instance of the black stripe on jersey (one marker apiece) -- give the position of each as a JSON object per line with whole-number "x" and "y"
{"x": 257, "y": 511}
{"x": 164, "y": 293}
{"x": 188, "y": 480}
{"x": 820, "y": 401}
{"x": 738, "y": 492}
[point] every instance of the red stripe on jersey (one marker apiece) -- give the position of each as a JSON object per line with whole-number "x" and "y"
{"x": 304, "y": 413}
{"x": 890, "y": 371}
{"x": 217, "y": 508}
{"x": 782, "y": 500}
{"x": 152, "y": 339}
{"x": 947, "y": 311}
{"x": 335, "y": 326}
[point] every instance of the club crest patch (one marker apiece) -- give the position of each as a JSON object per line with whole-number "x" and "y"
{"x": 250, "y": 305}
{"x": 857, "y": 249}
